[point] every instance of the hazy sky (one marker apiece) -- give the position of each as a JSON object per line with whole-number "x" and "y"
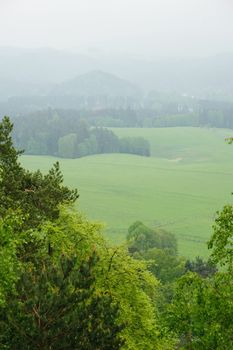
{"x": 145, "y": 27}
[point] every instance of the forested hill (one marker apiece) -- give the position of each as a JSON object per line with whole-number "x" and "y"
{"x": 96, "y": 83}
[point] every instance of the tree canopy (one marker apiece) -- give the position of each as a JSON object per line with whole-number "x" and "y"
{"x": 35, "y": 195}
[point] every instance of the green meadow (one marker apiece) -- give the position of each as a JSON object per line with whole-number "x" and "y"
{"x": 179, "y": 188}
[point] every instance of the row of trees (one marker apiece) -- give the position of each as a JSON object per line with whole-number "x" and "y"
{"x": 71, "y": 137}
{"x": 100, "y": 140}
{"x": 161, "y": 103}
{"x": 48, "y": 125}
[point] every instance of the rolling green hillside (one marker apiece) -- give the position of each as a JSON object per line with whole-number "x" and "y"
{"x": 190, "y": 144}
{"x": 179, "y": 188}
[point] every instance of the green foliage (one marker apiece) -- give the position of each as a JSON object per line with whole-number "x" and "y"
{"x": 202, "y": 267}
{"x": 49, "y": 296}
{"x": 164, "y": 264}
{"x": 10, "y": 240}
{"x": 36, "y": 195}
{"x": 222, "y": 239}
{"x": 201, "y": 312}
{"x": 157, "y": 247}
{"x": 56, "y": 307}
{"x": 119, "y": 292}
{"x": 10, "y": 170}
{"x": 141, "y": 238}
{"x": 67, "y": 146}
{"x": 135, "y": 145}
{"x": 36, "y": 146}
{"x": 135, "y": 289}
{"x": 129, "y": 283}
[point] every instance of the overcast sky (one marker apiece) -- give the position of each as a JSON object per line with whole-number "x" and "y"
{"x": 144, "y": 27}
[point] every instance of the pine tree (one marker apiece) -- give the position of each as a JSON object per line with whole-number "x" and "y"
{"x": 57, "y": 307}
{"x": 36, "y": 195}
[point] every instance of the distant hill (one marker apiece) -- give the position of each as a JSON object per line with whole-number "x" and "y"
{"x": 27, "y": 72}
{"x": 96, "y": 83}
{"x": 95, "y": 90}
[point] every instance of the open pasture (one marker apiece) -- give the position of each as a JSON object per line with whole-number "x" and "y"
{"x": 180, "y": 187}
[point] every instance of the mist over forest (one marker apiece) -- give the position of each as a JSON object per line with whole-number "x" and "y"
{"x": 41, "y": 70}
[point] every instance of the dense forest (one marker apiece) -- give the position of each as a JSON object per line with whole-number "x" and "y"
{"x": 64, "y": 287}
{"x": 70, "y": 136}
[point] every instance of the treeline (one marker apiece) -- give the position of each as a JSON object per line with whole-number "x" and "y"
{"x": 158, "y": 102}
{"x": 216, "y": 114}
{"x": 98, "y": 140}
{"x": 201, "y": 114}
{"x": 69, "y": 136}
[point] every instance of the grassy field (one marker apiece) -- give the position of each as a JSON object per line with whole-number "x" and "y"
{"x": 179, "y": 188}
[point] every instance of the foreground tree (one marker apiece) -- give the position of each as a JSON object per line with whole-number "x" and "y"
{"x": 55, "y": 306}
{"x": 221, "y": 241}
{"x": 201, "y": 312}
{"x": 36, "y": 195}
{"x": 80, "y": 279}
